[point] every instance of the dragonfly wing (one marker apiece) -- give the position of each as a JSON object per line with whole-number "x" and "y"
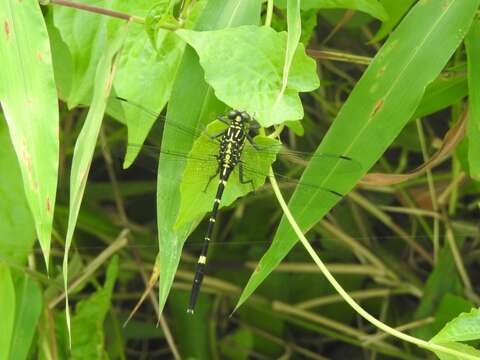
{"x": 344, "y": 163}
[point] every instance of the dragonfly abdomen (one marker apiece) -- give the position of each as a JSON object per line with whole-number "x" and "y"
{"x": 202, "y": 259}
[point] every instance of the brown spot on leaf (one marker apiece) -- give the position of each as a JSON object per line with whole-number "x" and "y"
{"x": 27, "y": 159}
{"x": 381, "y": 71}
{"x": 6, "y": 28}
{"x": 377, "y": 108}
{"x": 48, "y": 205}
{"x": 40, "y": 56}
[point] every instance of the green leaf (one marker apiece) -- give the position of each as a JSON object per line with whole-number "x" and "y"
{"x": 465, "y": 349}
{"x": 7, "y": 310}
{"x": 437, "y": 287}
{"x": 250, "y": 76}
{"x": 198, "y": 344}
{"x": 465, "y": 327}
{"x": 441, "y": 94}
{"x": 17, "y": 229}
{"x": 87, "y": 323}
{"x": 197, "y": 198}
{"x": 79, "y": 39}
{"x": 61, "y": 59}
{"x": 239, "y": 339}
{"x": 472, "y": 42}
{"x": 29, "y": 303}
{"x": 84, "y": 34}
{"x": 294, "y": 21}
{"x": 372, "y": 7}
{"x": 160, "y": 14}
{"x": 142, "y": 67}
{"x": 29, "y": 101}
{"x": 309, "y": 23}
{"x": 450, "y": 306}
{"x": 395, "y": 10}
{"x": 378, "y": 108}
{"x": 193, "y": 106}
{"x": 85, "y": 145}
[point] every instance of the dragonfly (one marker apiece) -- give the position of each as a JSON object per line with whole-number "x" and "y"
{"x": 230, "y": 148}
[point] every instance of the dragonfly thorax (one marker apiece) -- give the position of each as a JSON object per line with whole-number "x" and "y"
{"x": 233, "y": 140}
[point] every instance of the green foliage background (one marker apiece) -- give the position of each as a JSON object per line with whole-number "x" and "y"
{"x": 391, "y": 84}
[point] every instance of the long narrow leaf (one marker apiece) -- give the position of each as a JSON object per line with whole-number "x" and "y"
{"x": 29, "y": 101}
{"x": 294, "y": 21}
{"x": 473, "y": 130}
{"x": 85, "y": 145}
{"x": 29, "y": 303}
{"x": 17, "y": 232}
{"x": 379, "y": 106}
{"x": 7, "y": 310}
{"x": 372, "y": 7}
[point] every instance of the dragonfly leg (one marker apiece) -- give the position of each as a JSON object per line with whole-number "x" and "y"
{"x": 217, "y": 135}
{"x": 211, "y": 178}
{"x": 255, "y": 125}
{"x": 251, "y": 141}
{"x": 242, "y": 179}
{"x": 224, "y": 120}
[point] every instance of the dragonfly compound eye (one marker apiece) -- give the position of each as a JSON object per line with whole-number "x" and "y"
{"x": 233, "y": 114}
{"x": 245, "y": 116}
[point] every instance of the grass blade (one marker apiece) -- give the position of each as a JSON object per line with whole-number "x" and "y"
{"x": 7, "y": 310}
{"x": 85, "y": 145}
{"x": 379, "y": 106}
{"x": 294, "y": 21}
{"x": 29, "y": 101}
{"x": 472, "y": 42}
{"x": 17, "y": 233}
{"x": 29, "y": 303}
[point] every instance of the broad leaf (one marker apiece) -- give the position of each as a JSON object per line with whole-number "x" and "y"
{"x": 145, "y": 76}
{"x": 462, "y": 348}
{"x": 465, "y": 327}
{"x": 249, "y": 75}
{"x": 84, "y": 34}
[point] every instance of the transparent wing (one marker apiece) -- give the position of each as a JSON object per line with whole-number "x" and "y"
{"x": 280, "y": 150}
{"x": 255, "y": 160}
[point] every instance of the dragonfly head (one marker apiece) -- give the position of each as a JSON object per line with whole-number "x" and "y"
{"x": 240, "y": 116}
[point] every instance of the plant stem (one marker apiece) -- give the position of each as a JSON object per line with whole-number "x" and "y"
{"x": 433, "y": 193}
{"x": 331, "y": 279}
{"x": 94, "y": 9}
{"x": 268, "y": 17}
